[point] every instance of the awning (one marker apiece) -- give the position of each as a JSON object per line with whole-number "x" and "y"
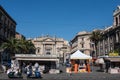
{"x": 113, "y": 59}
{"x": 79, "y": 55}
{"x": 36, "y": 59}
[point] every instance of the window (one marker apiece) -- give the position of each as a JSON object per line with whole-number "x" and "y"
{"x": 82, "y": 45}
{"x": 82, "y": 51}
{"x": 116, "y": 19}
{"x": 64, "y": 47}
{"x": 1, "y": 15}
{"x": 48, "y": 51}
{"x": 38, "y": 50}
{"x": 82, "y": 39}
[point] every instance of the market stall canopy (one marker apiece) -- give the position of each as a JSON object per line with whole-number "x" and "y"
{"x": 79, "y": 55}
{"x": 113, "y": 59}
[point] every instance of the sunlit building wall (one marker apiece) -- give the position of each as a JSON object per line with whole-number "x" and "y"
{"x": 48, "y": 45}
{"x": 82, "y": 42}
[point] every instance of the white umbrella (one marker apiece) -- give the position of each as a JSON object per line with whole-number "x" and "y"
{"x": 99, "y": 61}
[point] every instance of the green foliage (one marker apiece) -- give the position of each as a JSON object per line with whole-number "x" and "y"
{"x": 11, "y": 46}
{"x": 26, "y": 46}
{"x": 113, "y": 54}
{"x": 21, "y": 46}
{"x": 95, "y": 37}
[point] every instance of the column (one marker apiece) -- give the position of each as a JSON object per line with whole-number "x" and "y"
{"x": 103, "y": 46}
{"x": 116, "y": 36}
{"x": 52, "y": 49}
{"x": 118, "y": 20}
{"x": 55, "y": 49}
{"x": 43, "y": 49}
{"x": 99, "y": 44}
{"x": 108, "y": 43}
{"x": 114, "y": 23}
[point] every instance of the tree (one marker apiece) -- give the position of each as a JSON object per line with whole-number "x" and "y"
{"x": 11, "y": 46}
{"x": 95, "y": 37}
{"x": 18, "y": 46}
{"x": 26, "y": 47}
{"x": 30, "y": 47}
{"x": 22, "y": 47}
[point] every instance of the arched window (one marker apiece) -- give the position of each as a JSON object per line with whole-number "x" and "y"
{"x": 38, "y": 50}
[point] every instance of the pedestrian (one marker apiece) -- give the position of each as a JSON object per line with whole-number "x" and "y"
{"x": 107, "y": 66}
{"x": 30, "y": 67}
{"x": 36, "y": 65}
{"x": 29, "y": 70}
{"x": 37, "y": 73}
{"x": 70, "y": 68}
{"x": 23, "y": 68}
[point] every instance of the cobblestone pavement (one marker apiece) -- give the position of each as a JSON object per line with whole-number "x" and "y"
{"x": 66, "y": 76}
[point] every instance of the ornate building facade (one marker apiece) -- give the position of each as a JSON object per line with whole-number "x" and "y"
{"x": 50, "y": 51}
{"x": 82, "y": 42}
{"x": 110, "y": 36}
{"x": 47, "y": 45}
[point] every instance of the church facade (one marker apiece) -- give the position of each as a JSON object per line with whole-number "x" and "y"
{"x": 50, "y": 51}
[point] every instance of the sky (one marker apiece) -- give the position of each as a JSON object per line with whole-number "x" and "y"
{"x": 60, "y": 18}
